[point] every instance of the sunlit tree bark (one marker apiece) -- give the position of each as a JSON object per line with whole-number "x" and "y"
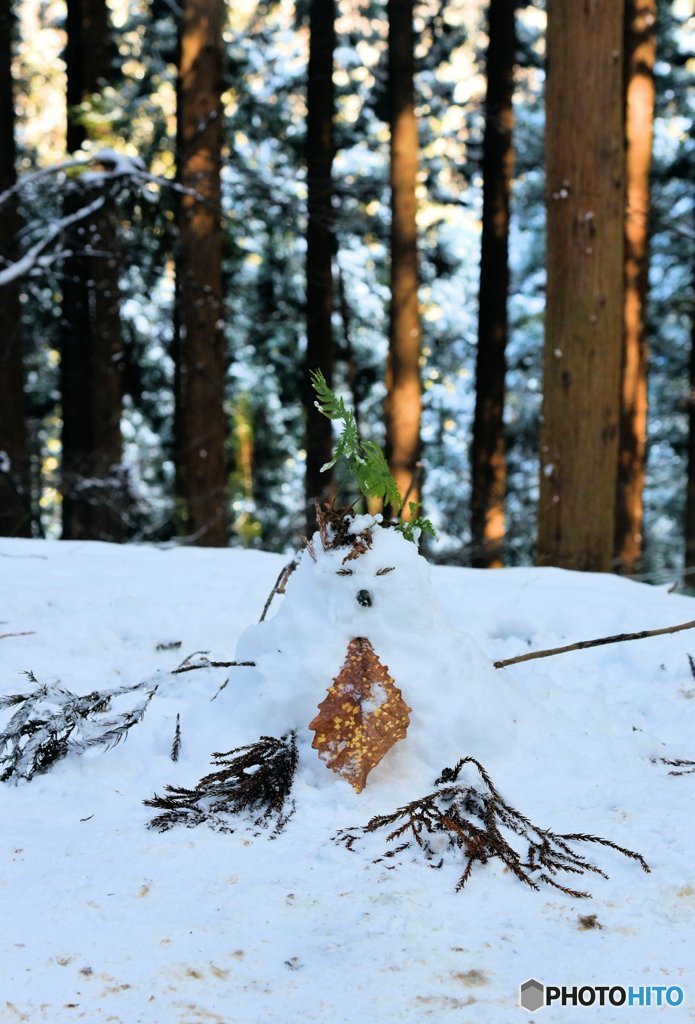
{"x": 320, "y": 244}
{"x": 403, "y": 393}
{"x": 488, "y": 472}
{"x": 15, "y": 501}
{"x": 584, "y": 312}
{"x": 640, "y": 52}
{"x": 93, "y": 486}
{"x": 202, "y": 428}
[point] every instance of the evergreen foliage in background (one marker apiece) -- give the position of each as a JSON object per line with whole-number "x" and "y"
{"x": 264, "y": 196}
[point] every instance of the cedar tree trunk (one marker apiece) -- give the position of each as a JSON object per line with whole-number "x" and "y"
{"x": 202, "y": 430}
{"x": 640, "y": 52}
{"x": 15, "y": 493}
{"x": 403, "y": 398}
{"x": 487, "y": 452}
{"x": 319, "y": 280}
{"x": 689, "y": 577}
{"x": 584, "y": 315}
{"x": 93, "y": 483}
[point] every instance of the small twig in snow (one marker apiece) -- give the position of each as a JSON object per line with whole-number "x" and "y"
{"x": 185, "y": 665}
{"x": 176, "y": 745}
{"x": 216, "y": 695}
{"x": 27, "y": 632}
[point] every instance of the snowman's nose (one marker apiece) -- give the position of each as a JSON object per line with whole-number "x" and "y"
{"x": 364, "y": 598}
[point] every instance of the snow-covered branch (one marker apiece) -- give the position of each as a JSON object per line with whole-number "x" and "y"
{"x": 97, "y": 171}
{"x": 33, "y": 255}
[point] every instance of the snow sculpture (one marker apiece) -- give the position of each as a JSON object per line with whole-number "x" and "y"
{"x": 406, "y": 691}
{"x": 360, "y": 681}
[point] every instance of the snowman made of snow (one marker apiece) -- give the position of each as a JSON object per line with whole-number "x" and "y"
{"x": 363, "y": 666}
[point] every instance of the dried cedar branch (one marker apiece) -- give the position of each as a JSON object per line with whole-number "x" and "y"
{"x": 254, "y": 780}
{"x": 478, "y": 823}
{"x": 50, "y": 722}
{"x": 679, "y": 762}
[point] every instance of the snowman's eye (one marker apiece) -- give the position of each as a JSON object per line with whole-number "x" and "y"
{"x": 382, "y": 572}
{"x": 344, "y": 572}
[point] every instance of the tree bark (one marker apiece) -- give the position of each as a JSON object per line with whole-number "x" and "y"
{"x": 488, "y": 471}
{"x": 584, "y": 313}
{"x": 15, "y": 489}
{"x": 93, "y": 483}
{"x": 689, "y": 575}
{"x": 403, "y": 393}
{"x": 320, "y": 245}
{"x": 640, "y": 53}
{"x": 202, "y": 436}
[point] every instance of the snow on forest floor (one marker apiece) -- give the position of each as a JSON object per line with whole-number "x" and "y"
{"x": 105, "y": 920}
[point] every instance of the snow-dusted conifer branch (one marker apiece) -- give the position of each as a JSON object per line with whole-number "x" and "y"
{"x": 254, "y": 780}
{"x": 51, "y": 722}
{"x": 33, "y": 256}
{"x": 116, "y": 170}
{"x": 465, "y": 818}
{"x": 688, "y": 767}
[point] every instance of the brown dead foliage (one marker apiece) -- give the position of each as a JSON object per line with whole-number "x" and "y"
{"x": 362, "y": 716}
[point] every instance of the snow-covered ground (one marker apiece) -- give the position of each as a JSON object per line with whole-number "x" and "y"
{"x": 105, "y": 920}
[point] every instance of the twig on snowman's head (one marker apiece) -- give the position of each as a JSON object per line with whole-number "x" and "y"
{"x": 281, "y": 581}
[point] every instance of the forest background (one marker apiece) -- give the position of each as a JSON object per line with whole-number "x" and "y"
{"x": 456, "y": 210}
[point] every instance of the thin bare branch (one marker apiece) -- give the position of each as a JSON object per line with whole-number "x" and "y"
{"x": 281, "y": 583}
{"x": 583, "y": 644}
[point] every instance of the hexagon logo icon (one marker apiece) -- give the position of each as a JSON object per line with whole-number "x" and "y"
{"x": 532, "y": 995}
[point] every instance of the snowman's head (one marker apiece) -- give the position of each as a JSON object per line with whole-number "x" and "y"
{"x": 375, "y": 573}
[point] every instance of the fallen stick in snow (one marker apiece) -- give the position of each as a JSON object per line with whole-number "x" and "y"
{"x": 27, "y": 632}
{"x": 206, "y": 663}
{"x": 583, "y": 644}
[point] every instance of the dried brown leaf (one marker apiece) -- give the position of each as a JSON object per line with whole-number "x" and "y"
{"x": 362, "y": 716}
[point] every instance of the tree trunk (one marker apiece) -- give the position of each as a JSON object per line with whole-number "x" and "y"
{"x": 640, "y": 52}
{"x": 319, "y": 278}
{"x": 15, "y": 491}
{"x": 488, "y": 450}
{"x": 93, "y": 484}
{"x": 202, "y": 457}
{"x": 403, "y": 398}
{"x": 584, "y": 313}
{"x": 689, "y": 575}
